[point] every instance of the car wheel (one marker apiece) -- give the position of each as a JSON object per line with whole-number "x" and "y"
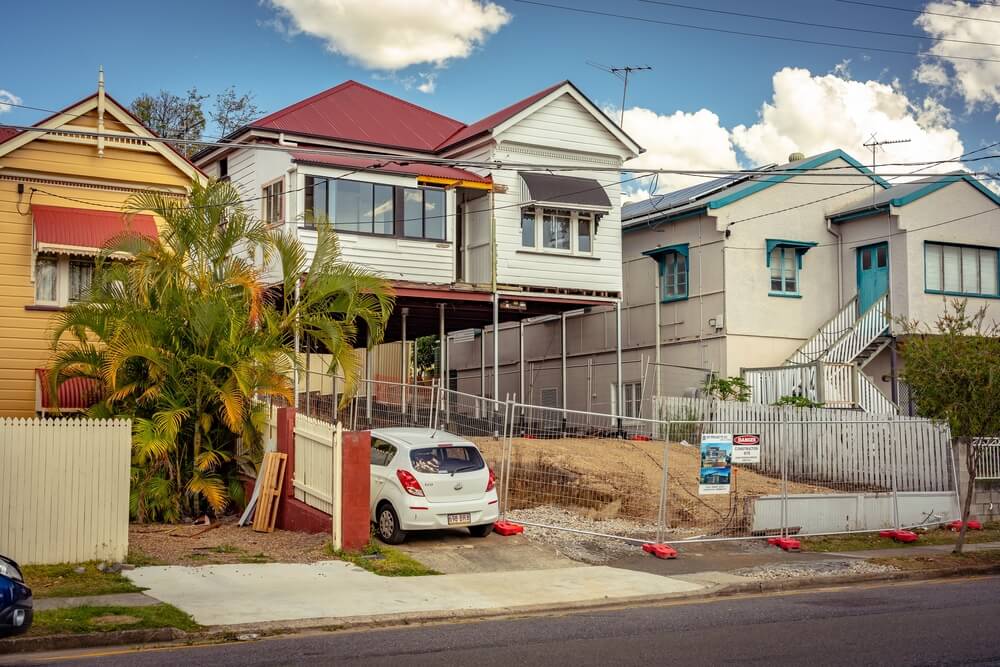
{"x": 387, "y": 526}
{"x": 481, "y": 531}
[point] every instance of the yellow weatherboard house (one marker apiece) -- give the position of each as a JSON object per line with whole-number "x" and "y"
{"x": 62, "y": 186}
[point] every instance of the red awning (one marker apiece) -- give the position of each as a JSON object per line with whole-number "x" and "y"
{"x": 74, "y": 394}
{"x": 63, "y": 228}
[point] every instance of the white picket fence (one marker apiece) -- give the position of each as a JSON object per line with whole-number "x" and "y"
{"x": 64, "y": 489}
{"x": 989, "y": 458}
{"x": 313, "y": 474}
{"x": 849, "y": 448}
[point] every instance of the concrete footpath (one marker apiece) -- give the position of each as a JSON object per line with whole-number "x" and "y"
{"x": 242, "y": 594}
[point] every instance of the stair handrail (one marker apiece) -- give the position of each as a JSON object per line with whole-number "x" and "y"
{"x": 871, "y": 399}
{"x": 866, "y": 329}
{"x": 835, "y": 328}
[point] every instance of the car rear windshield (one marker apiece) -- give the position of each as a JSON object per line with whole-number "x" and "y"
{"x": 446, "y": 459}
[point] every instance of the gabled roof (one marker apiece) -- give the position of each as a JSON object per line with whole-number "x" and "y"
{"x": 487, "y": 124}
{"x": 906, "y": 193}
{"x": 12, "y": 139}
{"x": 358, "y": 113}
{"x": 721, "y": 192}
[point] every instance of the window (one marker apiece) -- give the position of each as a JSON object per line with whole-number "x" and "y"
{"x": 583, "y": 221}
{"x": 528, "y": 228}
{"x": 372, "y": 208}
{"x": 673, "y": 275}
{"x": 81, "y": 274}
{"x": 46, "y": 279}
{"x": 382, "y": 452}
{"x": 271, "y": 204}
{"x": 558, "y": 230}
{"x": 784, "y": 271}
{"x": 446, "y": 460}
{"x": 61, "y": 280}
{"x": 631, "y": 399}
{"x": 960, "y": 270}
{"x": 224, "y": 169}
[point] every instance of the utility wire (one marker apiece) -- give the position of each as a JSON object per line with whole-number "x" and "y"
{"x": 691, "y": 26}
{"x": 496, "y": 165}
{"x": 924, "y": 11}
{"x": 814, "y": 25}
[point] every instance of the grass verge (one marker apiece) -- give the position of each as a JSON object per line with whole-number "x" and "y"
{"x": 941, "y": 561}
{"x": 57, "y": 581}
{"x": 867, "y": 541}
{"x": 382, "y": 560}
{"x": 78, "y": 620}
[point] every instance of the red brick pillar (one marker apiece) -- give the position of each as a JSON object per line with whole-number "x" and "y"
{"x": 356, "y": 490}
{"x": 286, "y": 445}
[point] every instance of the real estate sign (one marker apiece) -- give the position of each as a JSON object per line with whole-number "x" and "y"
{"x": 716, "y": 463}
{"x": 746, "y": 448}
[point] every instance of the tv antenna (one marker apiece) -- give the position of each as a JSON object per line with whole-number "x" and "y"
{"x": 623, "y": 74}
{"x": 877, "y": 145}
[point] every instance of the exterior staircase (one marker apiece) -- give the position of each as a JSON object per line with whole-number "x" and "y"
{"x": 827, "y": 367}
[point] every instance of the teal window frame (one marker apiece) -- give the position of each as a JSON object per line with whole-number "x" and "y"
{"x": 675, "y": 254}
{"x": 961, "y": 273}
{"x": 792, "y": 252}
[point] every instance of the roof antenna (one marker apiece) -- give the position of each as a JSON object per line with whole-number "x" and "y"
{"x": 622, "y": 73}
{"x": 876, "y": 145}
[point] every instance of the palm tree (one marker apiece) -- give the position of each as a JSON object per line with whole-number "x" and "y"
{"x": 183, "y": 334}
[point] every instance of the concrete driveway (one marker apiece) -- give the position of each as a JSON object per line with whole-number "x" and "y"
{"x": 457, "y": 552}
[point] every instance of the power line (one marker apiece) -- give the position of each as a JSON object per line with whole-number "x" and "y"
{"x": 691, "y": 26}
{"x": 814, "y": 25}
{"x": 923, "y": 11}
{"x": 496, "y": 165}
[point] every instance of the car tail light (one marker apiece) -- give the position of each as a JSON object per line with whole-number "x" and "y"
{"x": 410, "y": 483}
{"x": 490, "y": 485}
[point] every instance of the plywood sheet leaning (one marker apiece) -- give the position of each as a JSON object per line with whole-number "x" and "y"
{"x": 272, "y": 473}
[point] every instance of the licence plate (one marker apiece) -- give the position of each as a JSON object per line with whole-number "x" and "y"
{"x": 459, "y": 519}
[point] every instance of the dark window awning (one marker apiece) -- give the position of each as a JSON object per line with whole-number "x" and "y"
{"x": 565, "y": 191}
{"x": 801, "y": 248}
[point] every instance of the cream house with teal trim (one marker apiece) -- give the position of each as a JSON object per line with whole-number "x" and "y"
{"x": 790, "y": 279}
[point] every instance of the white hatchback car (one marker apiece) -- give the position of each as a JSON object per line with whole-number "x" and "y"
{"x": 426, "y": 479}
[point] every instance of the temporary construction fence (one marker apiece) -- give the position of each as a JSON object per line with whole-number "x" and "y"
{"x": 719, "y": 470}
{"x": 366, "y": 404}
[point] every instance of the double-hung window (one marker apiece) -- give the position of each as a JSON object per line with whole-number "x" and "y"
{"x": 272, "y": 203}
{"x": 558, "y": 230}
{"x": 784, "y": 262}
{"x": 960, "y": 270}
{"x": 784, "y": 271}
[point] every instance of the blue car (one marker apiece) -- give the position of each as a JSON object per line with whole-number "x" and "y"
{"x": 15, "y": 599}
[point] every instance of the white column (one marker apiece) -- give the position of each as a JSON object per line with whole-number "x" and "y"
{"x": 618, "y": 355}
{"x": 496, "y": 348}
{"x": 403, "y": 363}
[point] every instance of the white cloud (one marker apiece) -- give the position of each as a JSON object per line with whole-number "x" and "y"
{"x": 977, "y": 82}
{"x": 428, "y": 83}
{"x": 812, "y": 114}
{"x": 393, "y": 34}
{"x": 677, "y": 141}
{"x": 6, "y": 99}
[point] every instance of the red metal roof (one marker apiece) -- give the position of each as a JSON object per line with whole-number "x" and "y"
{"x": 491, "y": 121}
{"x": 372, "y": 164}
{"x": 74, "y": 393}
{"x": 355, "y": 112}
{"x": 8, "y": 133}
{"x": 86, "y": 228}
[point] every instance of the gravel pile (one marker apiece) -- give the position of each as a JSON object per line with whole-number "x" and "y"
{"x": 585, "y": 548}
{"x": 823, "y": 568}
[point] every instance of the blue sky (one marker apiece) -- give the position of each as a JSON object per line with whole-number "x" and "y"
{"x": 688, "y": 110}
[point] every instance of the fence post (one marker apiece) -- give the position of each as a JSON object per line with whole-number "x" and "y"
{"x": 783, "y": 459}
{"x": 664, "y": 520}
{"x": 506, "y": 454}
{"x": 894, "y": 452}
{"x": 337, "y": 486}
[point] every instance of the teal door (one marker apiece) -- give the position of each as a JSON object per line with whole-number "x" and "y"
{"x": 873, "y": 274}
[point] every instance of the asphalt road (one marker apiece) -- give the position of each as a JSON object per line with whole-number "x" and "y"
{"x": 936, "y": 623}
